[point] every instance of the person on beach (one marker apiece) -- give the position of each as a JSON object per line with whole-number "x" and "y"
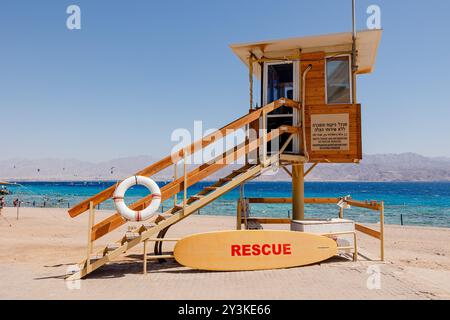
{"x": 2, "y": 204}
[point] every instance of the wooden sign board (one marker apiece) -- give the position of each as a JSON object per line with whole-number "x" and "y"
{"x": 253, "y": 250}
{"x": 333, "y": 133}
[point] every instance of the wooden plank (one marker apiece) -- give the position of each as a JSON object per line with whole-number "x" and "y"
{"x": 115, "y": 221}
{"x": 289, "y": 200}
{"x": 360, "y": 204}
{"x": 292, "y": 158}
{"x": 368, "y": 231}
{"x": 315, "y": 80}
{"x": 177, "y": 156}
{"x": 270, "y": 220}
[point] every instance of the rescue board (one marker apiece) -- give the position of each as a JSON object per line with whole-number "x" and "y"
{"x": 253, "y": 250}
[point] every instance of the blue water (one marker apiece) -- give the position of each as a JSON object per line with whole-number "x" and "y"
{"x": 422, "y": 204}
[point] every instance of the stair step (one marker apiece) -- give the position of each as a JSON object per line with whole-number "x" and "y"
{"x": 112, "y": 247}
{"x": 225, "y": 180}
{"x": 131, "y": 236}
{"x": 210, "y": 188}
{"x": 240, "y": 171}
{"x": 198, "y": 197}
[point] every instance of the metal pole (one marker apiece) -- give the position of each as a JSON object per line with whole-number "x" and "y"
{"x": 354, "y": 19}
{"x": 354, "y": 66}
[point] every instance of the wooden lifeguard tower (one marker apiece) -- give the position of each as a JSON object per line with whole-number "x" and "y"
{"x": 308, "y": 107}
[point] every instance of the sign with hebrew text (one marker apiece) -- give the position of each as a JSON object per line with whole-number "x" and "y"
{"x": 330, "y": 132}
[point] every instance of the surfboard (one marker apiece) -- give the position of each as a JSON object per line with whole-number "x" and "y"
{"x": 253, "y": 250}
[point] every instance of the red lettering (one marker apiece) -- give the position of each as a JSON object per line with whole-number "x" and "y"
{"x": 266, "y": 249}
{"x": 276, "y": 249}
{"x": 256, "y": 250}
{"x": 287, "y": 249}
{"x": 235, "y": 250}
{"x": 246, "y": 250}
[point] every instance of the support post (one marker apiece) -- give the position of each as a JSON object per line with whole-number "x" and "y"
{"x": 298, "y": 191}
{"x": 355, "y": 242}
{"x": 90, "y": 225}
{"x": 145, "y": 256}
{"x": 175, "y": 177}
{"x": 341, "y": 213}
{"x": 185, "y": 180}
{"x": 239, "y": 216}
{"x": 382, "y": 230}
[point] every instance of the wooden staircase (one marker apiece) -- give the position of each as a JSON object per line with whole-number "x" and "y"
{"x": 155, "y": 228}
{"x": 171, "y": 217}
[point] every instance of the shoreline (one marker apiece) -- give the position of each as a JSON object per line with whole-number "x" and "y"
{"x": 17, "y": 182}
{"x": 37, "y": 250}
{"x": 231, "y": 216}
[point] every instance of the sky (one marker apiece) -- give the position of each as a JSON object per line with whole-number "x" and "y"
{"x": 137, "y": 70}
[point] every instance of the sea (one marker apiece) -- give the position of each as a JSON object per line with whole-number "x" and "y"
{"x": 413, "y": 204}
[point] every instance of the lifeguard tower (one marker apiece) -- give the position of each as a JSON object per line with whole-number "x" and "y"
{"x": 306, "y": 103}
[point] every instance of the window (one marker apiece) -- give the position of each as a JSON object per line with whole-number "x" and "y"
{"x": 338, "y": 80}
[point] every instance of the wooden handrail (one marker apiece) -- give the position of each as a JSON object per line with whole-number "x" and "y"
{"x": 289, "y": 200}
{"x": 113, "y": 222}
{"x": 177, "y": 156}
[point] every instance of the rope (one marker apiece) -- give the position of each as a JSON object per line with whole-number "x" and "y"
{"x": 250, "y": 68}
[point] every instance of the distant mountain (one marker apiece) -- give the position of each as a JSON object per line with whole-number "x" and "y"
{"x": 381, "y": 167}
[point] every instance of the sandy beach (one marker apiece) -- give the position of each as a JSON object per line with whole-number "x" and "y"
{"x": 37, "y": 250}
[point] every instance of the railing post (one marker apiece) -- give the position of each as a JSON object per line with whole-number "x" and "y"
{"x": 175, "y": 177}
{"x": 185, "y": 180}
{"x": 263, "y": 151}
{"x": 145, "y": 256}
{"x": 239, "y": 215}
{"x": 90, "y": 243}
{"x": 382, "y": 230}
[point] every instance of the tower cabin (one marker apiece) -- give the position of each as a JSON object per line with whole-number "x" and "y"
{"x": 319, "y": 72}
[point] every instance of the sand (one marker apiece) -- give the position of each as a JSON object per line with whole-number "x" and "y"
{"x": 37, "y": 250}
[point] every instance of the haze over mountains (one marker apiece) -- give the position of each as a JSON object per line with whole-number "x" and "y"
{"x": 374, "y": 168}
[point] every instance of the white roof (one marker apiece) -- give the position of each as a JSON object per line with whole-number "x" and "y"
{"x": 366, "y": 43}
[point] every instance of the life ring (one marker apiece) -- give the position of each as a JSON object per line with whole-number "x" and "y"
{"x": 132, "y": 215}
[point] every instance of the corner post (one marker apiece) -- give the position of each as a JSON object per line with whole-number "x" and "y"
{"x": 90, "y": 226}
{"x": 382, "y": 230}
{"x": 239, "y": 215}
{"x": 145, "y": 256}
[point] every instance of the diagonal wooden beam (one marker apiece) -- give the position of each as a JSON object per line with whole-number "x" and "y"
{"x": 179, "y": 216}
{"x": 115, "y": 221}
{"x": 311, "y": 169}
{"x": 177, "y": 156}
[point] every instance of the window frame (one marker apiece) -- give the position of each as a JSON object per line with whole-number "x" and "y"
{"x": 349, "y": 56}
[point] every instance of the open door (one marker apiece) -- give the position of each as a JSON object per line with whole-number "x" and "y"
{"x": 281, "y": 81}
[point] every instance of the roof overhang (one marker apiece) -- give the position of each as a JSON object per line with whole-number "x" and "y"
{"x": 367, "y": 43}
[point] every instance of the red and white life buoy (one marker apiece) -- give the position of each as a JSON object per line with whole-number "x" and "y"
{"x": 132, "y": 215}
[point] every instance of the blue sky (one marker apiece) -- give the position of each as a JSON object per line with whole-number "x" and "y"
{"x": 140, "y": 69}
